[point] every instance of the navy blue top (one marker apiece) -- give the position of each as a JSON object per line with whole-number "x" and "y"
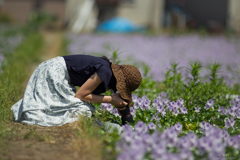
{"x": 81, "y": 67}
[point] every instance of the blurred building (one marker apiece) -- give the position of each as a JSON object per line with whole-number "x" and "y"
{"x": 148, "y": 13}
{"x": 85, "y": 15}
{"x": 19, "y": 10}
{"x": 214, "y": 15}
{"x": 233, "y": 15}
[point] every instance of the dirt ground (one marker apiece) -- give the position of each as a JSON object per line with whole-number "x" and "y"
{"x": 42, "y": 143}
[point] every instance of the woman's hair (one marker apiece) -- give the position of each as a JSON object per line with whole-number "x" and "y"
{"x": 112, "y": 83}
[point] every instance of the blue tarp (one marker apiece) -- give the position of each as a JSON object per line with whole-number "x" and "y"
{"x": 119, "y": 25}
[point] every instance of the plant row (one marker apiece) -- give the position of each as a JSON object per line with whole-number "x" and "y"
{"x": 190, "y": 117}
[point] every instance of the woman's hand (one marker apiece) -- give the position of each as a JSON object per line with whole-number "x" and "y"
{"x": 118, "y": 102}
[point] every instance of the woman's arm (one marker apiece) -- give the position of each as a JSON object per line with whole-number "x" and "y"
{"x": 84, "y": 93}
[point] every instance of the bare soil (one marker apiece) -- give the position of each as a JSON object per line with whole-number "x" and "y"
{"x": 41, "y": 143}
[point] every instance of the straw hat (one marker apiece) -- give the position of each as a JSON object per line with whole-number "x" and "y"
{"x": 128, "y": 79}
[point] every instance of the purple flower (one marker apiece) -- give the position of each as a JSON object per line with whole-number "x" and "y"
{"x": 158, "y": 150}
{"x": 159, "y": 125}
{"x": 155, "y": 117}
{"x": 221, "y": 109}
{"x": 184, "y": 110}
{"x": 229, "y": 123}
{"x": 225, "y": 134}
{"x": 138, "y": 135}
{"x": 171, "y": 133}
{"x": 235, "y": 107}
{"x": 136, "y": 155}
{"x": 232, "y": 112}
{"x": 205, "y": 143}
{"x": 145, "y": 104}
{"x": 185, "y": 154}
{"x": 175, "y": 111}
{"x": 183, "y": 142}
{"x": 148, "y": 139}
{"x": 137, "y": 103}
{"x": 231, "y": 141}
{"x": 180, "y": 102}
{"x": 103, "y": 106}
{"x": 205, "y": 126}
{"x": 141, "y": 127}
{"x": 124, "y": 156}
{"x": 127, "y": 127}
{"x": 209, "y": 104}
{"x": 178, "y": 127}
{"x": 106, "y": 106}
{"x": 197, "y": 109}
{"x": 219, "y": 147}
{"x": 144, "y": 97}
{"x": 155, "y": 103}
{"x": 207, "y": 107}
{"x": 165, "y": 101}
{"x": 234, "y": 142}
{"x": 170, "y": 107}
{"x": 237, "y": 114}
{"x": 198, "y": 48}
{"x": 174, "y": 104}
{"x": 134, "y": 97}
{"x": 121, "y": 145}
{"x": 214, "y": 132}
{"x": 1, "y": 57}
{"x": 152, "y": 126}
{"x": 137, "y": 144}
{"x": 192, "y": 140}
{"x": 163, "y": 113}
{"x": 161, "y": 110}
{"x": 132, "y": 111}
{"x": 109, "y": 107}
{"x": 115, "y": 112}
{"x": 127, "y": 135}
{"x": 163, "y": 95}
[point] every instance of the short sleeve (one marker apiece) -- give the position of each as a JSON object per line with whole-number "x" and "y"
{"x": 105, "y": 73}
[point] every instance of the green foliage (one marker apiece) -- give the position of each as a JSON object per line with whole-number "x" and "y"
{"x": 39, "y": 19}
{"x": 5, "y": 18}
{"x": 148, "y": 87}
{"x": 146, "y": 69}
{"x": 115, "y": 56}
{"x": 196, "y": 92}
{"x": 15, "y": 72}
{"x": 173, "y": 79}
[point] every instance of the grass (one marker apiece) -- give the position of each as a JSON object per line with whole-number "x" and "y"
{"x": 92, "y": 142}
{"x": 63, "y": 49}
{"x": 13, "y": 76}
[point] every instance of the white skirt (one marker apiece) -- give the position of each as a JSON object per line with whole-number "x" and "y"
{"x": 49, "y": 97}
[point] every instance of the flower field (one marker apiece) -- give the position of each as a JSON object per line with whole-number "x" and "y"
{"x": 187, "y": 106}
{"x": 159, "y": 51}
